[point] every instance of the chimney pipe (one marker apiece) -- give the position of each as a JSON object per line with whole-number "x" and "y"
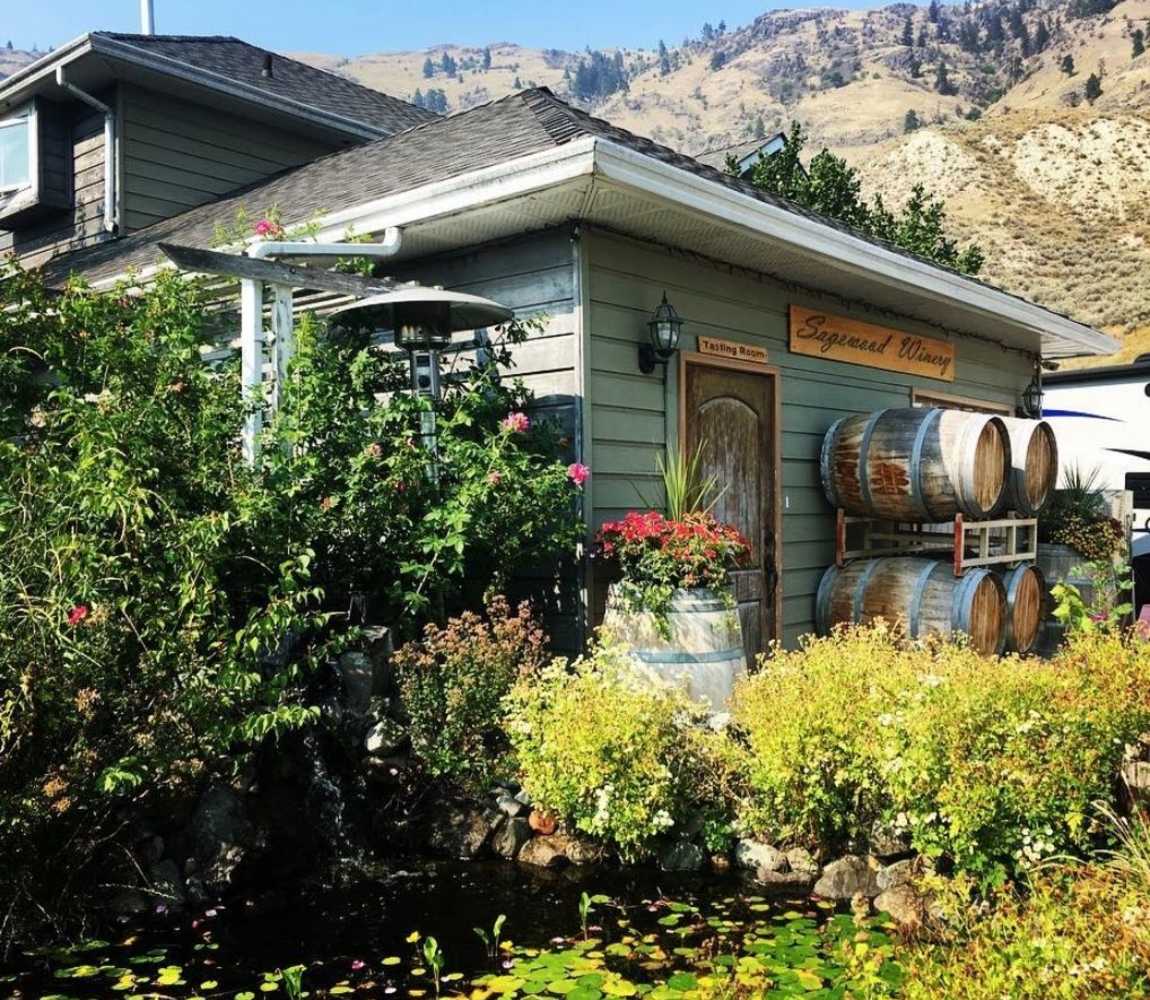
{"x": 147, "y": 18}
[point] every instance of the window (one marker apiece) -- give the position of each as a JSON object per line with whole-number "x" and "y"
{"x": 16, "y": 152}
{"x": 945, "y": 401}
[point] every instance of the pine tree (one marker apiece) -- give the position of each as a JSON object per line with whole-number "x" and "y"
{"x": 718, "y": 59}
{"x": 487, "y": 58}
{"x": 664, "y": 59}
{"x": 911, "y": 122}
{"x": 908, "y": 33}
{"x": 722, "y": 27}
{"x": 1138, "y": 38}
{"x": 1041, "y": 36}
{"x": 417, "y": 98}
{"x": 1067, "y": 65}
{"x": 708, "y": 32}
{"x": 1093, "y": 88}
{"x": 942, "y": 80}
{"x": 921, "y": 42}
{"x": 448, "y": 64}
{"x": 760, "y": 128}
{"x": 9, "y": 45}
{"x": 428, "y": 68}
{"x": 934, "y": 11}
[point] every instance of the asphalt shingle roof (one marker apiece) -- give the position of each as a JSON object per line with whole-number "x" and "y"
{"x": 237, "y": 60}
{"x": 526, "y": 122}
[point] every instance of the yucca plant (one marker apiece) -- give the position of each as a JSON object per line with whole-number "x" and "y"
{"x": 688, "y": 490}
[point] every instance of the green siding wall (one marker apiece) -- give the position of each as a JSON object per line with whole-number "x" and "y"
{"x": 177, "y": 155}
{"x": 630, "y": 413}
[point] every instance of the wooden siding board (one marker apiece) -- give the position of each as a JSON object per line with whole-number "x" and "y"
{"x": 627, "y": 280}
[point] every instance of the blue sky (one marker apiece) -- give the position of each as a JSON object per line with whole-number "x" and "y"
{"x": 353, "y": 27}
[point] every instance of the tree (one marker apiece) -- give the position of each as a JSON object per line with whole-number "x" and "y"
{"x": 448, "y": 64}
{"x": 911, "y": 121}
{"x": 708, "y": 32}
{"x": 1138, "y": 38}
{"x": 832, "y": 188}
{"x": 1067, "y": 65}
{"x": 664, "y": 59}
{"x": 934, "y": 11}
{"x": 908, "y": 33}
{"x": 760, "y": 130}
{"x": 921, "y": 40}
{"x": 1041, "y": 36}
{"x": 718, "y": 59}
{"x": 487, "y": 58}
{"x": 428, "y": 68}
{"x": 9, "y": 45}
{"x": 942, "y": 80}
{"x": 722, "y": 27}
{"x": 1093, "y": 88}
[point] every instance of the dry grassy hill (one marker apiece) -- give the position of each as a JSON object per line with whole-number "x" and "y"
{"x": 14, "y": 59}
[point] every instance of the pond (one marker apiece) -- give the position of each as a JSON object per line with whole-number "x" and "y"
{"x": 583, "y": 934}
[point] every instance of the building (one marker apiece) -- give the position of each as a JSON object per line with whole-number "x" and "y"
{"x": 791, "y": 320}
{"x": 745, "y": 154}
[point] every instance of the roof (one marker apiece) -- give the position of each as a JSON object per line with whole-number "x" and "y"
{"x": 742, "y": 151}
{"x": 231, "y": 65}
{"x": 491, "y": 135}
{"x": 1136, "y": 371}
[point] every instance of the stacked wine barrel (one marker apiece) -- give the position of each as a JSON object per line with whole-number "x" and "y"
{"x": 925, "y": 466}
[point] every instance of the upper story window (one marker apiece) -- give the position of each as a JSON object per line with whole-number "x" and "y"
{"x": 17, "y": 146}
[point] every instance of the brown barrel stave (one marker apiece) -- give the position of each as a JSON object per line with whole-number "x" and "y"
{"x": 1034, "y": 466}
{"x": 916, "y": 464}
{"x": 922, "y": 595}
{"x": 1025, "y": 587}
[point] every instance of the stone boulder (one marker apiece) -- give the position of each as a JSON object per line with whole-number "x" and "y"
{"x": 896, "y": 874}
{"x": 904, "y": 905}
{"x": 560, "y": 848}
{"x": 789, "y": 882}
{"x": 759, "y": 857}
{"x": 799, "y": 859}
{"x": 849, "y": 876}
{"x": 512, "y": 833}
{"x": 462, "y": 832}
{"x": 682, "y": 855}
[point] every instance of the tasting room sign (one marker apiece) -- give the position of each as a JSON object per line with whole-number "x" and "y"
{"x": 821, "y": 335}
{"x": 732, "y": 349}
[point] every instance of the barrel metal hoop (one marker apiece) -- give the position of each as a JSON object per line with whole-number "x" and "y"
{"x": 829, "y": 446}
{"x": 822, "y": 599}
{"x": 864, "y": 448}
{"x": 915, "y": 608}
{"x": 678, "y": 656}
{"x": 916, "y": 491}
{"x": 860, "y": 588}
{"x": 960, "y": 605}
{"x": 962, "y": 492}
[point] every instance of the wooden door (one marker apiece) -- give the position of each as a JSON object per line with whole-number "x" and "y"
{"x": 731, "y": 411}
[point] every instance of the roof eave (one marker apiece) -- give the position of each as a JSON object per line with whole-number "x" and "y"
{"x": 45, "y": 66}
{"x": 841, "y": 249}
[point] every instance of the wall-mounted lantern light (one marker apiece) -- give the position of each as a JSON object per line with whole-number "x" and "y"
{"x": 1032, "y": 398}
{"x": 663, "y": 328}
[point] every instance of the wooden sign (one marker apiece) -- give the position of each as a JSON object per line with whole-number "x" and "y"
{"x": 732, "y": 349}
{"x": 821, "y": 335}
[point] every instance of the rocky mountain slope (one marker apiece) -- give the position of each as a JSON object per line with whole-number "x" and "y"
{"x": 14, "y": 59}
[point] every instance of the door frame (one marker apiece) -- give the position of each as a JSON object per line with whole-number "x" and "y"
{"x": 688, "y": 359}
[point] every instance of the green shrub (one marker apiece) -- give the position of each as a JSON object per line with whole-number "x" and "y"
{"x": 993, "y": 764}
{"x": 452, "y": 683}
{"x": 611, "y": 751}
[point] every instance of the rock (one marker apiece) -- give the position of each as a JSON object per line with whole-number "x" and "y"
{"x": 462, "y": 832}
{"x": 788, "y": 882}
{"x": 208, "y": 880}
{"x": 384, "y": 738}
{"x": 511, "y": 806}
{"x": 682, "y": 855}
{"x": 887, "y": 842}
{"x": 903, "y": 904}
{"x": 899, "y": 873}
{"x": 523, "y": 797}
{"x": 355, "y": 674}
{"x": 560, "y": 848}
{"x": 543, "y": 823}
{"x": 219, "y": 819}
{"x": 759, "y": 857}
{"x": 849, "y": 875}
{"x": 799, "y": 859}
{"x": 720, "y": 864}
{"x": 167, "y": 883}
{"x": 510, "y": 836}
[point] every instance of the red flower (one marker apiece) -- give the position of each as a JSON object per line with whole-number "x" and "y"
{"x": 268, "y": 229}
{"x": 77, "y": 614}
{"x": 578, "y": 473}
{"x": 517, "y": 422}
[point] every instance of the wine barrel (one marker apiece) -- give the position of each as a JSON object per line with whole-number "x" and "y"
{"x": 1025, "y": 604}
{"x": 922, "y": 595}
{"x": 916, "y": 464}
{"x": 702, "y": 650}
{"x": 1033, "y": 465}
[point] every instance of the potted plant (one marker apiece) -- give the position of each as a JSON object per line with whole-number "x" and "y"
{"x": 672, "y": 607}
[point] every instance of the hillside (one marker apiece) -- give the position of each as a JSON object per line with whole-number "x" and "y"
{"x": 13, "y": 59}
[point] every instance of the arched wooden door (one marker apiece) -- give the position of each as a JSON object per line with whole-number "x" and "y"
{"x": 731, "y": 410}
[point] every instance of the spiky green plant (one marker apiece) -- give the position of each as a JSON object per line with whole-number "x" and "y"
{"x": 687, "y": 489}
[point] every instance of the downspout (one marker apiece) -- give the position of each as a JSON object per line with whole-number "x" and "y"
{"x": 109, "y": 146}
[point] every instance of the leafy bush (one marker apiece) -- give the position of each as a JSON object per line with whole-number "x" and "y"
{"x": 992, "y": 764}
{"x": 612, "y": 751}
{"x": 452, "y": 683}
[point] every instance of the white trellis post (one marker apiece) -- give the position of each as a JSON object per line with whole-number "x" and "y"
{"x": 283, "y": 334}
{"x": 252, "y": 363}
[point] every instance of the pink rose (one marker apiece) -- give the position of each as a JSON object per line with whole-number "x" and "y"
{"x": 77, "y": 614}
{"x": 578, "y": 473}
{"x": 517, "y": 422}
{"x": 268, "y": 229}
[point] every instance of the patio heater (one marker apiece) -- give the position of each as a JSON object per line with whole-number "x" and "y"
{"x": 422, "y": 321}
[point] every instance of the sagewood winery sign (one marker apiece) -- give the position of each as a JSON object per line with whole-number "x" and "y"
{"x": 821, "y": 335}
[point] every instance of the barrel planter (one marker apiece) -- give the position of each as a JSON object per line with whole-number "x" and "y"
{"x": 703, "y": 652}
{"x": 1061, "y": 564}
{"x": 922, "y": 595}
{"x": 1033, "y": 466}
{"x": 916, "y": 464}
{"x": 1025, "y": 607}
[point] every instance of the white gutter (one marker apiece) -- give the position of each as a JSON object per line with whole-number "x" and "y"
{"x": 842, "y": 250}
{"x": 109, "y": 146}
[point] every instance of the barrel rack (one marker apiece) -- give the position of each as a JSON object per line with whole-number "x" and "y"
{"x": 1000, "y": 541}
